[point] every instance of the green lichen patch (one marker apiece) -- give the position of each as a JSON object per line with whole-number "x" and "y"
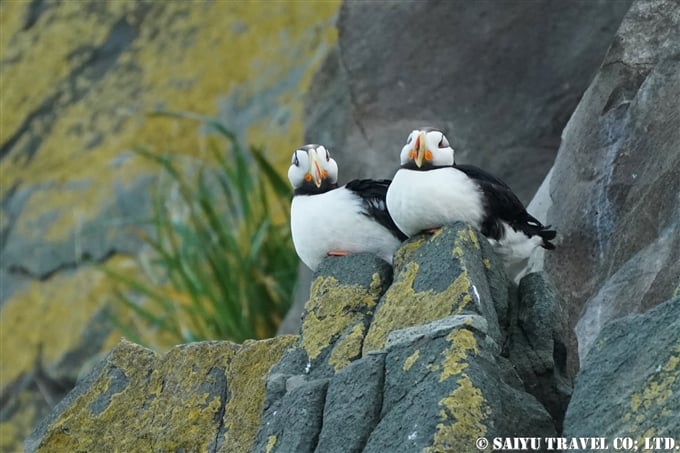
{"x": 464, "y": 410}
{"x": 462, "y": 418}
{"x": 246, "y": 377}
{"x": 410, "y": 360}
{"x": 186, "y": 395}
{"x": 333, "y": 308}
{"x": 347, "y": 348}
{"x": 650, "y": 402}
{"x": 463, "y": 343}
{"x": 402, "y": 306}
{"x": 92, "y": 423}
{"x": 271, "y": 443}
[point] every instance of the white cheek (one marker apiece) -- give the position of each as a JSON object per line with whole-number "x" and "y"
{"x": 295, "y": 176}
{"x": 332, "y": 168}
{"x": 404, "y": 153}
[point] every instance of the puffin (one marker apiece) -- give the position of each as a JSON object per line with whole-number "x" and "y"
{"x": 430, "y": 190}
{"x": 331, "y": 220}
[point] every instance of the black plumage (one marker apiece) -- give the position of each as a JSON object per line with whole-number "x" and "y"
{"x": 501, "y": 204}
{"x": 372, "y": 193}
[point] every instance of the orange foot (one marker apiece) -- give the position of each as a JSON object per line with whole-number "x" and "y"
{"x": 432, "y": 230}
{"x": 337, "y": 253}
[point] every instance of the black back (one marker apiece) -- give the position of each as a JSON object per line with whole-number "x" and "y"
{"x": 502, "y": 204}
{"x": 373, "y": 193}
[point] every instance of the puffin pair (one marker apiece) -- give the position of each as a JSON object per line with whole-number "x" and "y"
{"x": 429, "y": 191}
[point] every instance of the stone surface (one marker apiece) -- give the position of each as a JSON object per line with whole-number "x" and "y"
{"x": 198, "y": 397}
{"x": 537, "y": 344}
{"x": 444, "y": 390}
{"x": 501, "y": 78}
{"x": 343, "y": 297}
{"x": 423, "y": 291}
{"x": 414, "y": 364}
{"x": 72, "y": 191}
{"x": 353, "y": 403}
{"x": 629, "y": 383}
{"x": 614, "y": 190}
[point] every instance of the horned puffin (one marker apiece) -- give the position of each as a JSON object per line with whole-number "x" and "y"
{"x": 328, "y": 220}
{"x": 430, "y": 190}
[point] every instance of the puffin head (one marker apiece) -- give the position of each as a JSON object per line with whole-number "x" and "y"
{"x": 313, "y": 170}
{"x": 426, "y": 148}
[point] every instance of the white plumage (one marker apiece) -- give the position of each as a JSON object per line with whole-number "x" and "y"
{"x": 420, "y": 200}
{"x": 430, "y": 191}
{"x": 333, "y": 221}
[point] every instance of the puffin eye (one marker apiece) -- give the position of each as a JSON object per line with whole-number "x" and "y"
{"x": 443, "y": 143}
{"x": 328, "y": 156}
{"x": 296, "y": 162}
{"x": 410, "y": 139}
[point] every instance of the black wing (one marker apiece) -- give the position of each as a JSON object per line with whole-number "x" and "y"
{"x": 503, "y": 204}
{"x": 372, "y": 193}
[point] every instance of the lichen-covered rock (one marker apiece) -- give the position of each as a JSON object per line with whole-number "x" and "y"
{"x": 613, "y": 191}
{"x": 72, "y": 190}
{"x": 434, "y": 277}
{"x": 431, "y": 375}
{"x": 197, "y": 397}
{"x": 434, "y": 376}
{"x": 344, "y": 294}
{"x": 629, "y": 383}
{"x": 444, "y": 389}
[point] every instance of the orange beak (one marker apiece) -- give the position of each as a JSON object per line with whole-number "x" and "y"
{"x": 315, "y": 169}
{"x": 420, "y": 150}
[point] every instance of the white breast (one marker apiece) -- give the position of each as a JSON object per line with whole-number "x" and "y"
{"x": 333, "y": 221}
{"x": 419, "y": 200}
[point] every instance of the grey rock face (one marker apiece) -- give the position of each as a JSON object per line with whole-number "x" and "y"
{"x": 423, "y": 368}
{"x": 620, "y": 393}
{"x": 367, "y": 373}
{"x": 502, "y": 78}
{"x": 615, "y": 186}
{"x": 537, "y": 344}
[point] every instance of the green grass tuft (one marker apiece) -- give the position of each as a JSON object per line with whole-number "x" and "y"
{"x": 224, "y": 265}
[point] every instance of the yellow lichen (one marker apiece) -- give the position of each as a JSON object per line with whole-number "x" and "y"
{"x": 404, "y": 307}
{"x": 50, "y": 317}
{"x": 462, "y": 418}
{"x": 271, "y": 443}
{"x": 331, "y": 309}
{"x": 652, "y": 399}
{"x": 247, "y": 63}
{"x": 347, "y": 348}
{"x": 487, "y": 263}
{"x": 246, "y": 378}
{"x": 468, "y": 234}
{"x": 463, "y": 342}
{"x": 411, "y": 360}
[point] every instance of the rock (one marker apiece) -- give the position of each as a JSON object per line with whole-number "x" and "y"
{"x": 186, "y": 399}
{"x": 629, "y": 383}
{"x": 353, "y": 403}
{"x": 502, "y": 78}
{"x": 380, "y": 365}
{"x": 423, "y": 289}
{"x": 73, "y": 192}
{"x": 444, "y": 390}
{"x": 537, "y": 344}
{"x": 616, "y": 209}
{"x": 344, "y": 294}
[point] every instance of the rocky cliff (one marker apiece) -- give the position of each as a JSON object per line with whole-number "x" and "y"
{"x": 79, "y": 81}
{"x": 430, "y": 356}
{"x": 441, "y": 349}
